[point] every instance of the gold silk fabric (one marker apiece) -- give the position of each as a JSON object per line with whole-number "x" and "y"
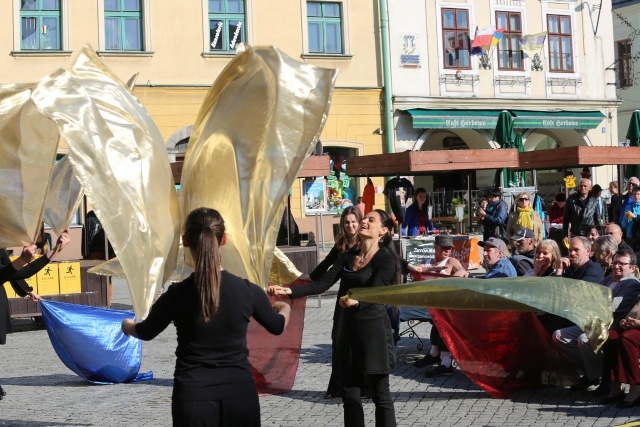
{"x": 282, "y": 269}
{"x": 118, "y": 154}
{"x": 64, "y": 196}
{"x": 256, "y": 127}
{"x": 28, "y": 143}
{"x": 586, "y": 304}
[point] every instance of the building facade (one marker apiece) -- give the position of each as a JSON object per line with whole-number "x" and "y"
{"x": 178, "y": 50}
{"x": 447, "y": 94}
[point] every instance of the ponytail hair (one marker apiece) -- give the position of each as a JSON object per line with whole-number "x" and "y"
{"x": 203, "y": 231}
{"x": 386, "y": 242}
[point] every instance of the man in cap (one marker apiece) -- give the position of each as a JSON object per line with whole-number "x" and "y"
{"x": 442, "y": 263}
{"x": 494, "y": 217}
{"x": 625, "y": 199}
{"x": 525, "y": 250}
{"x": 495, "y": 259}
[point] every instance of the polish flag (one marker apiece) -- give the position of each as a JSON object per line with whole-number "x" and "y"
{"x": 484, "y": 37}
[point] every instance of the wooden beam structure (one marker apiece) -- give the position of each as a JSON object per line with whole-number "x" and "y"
{"x": 315, "y": 166}
{"x": 580, "y": 156}
{"x": 429, "y": 162}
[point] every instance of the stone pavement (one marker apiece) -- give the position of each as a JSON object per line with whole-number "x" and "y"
{"x": 43, "y": 392}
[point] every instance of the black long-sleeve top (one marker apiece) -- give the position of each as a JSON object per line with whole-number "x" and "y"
{"x": 326, "y": 263}
{"x": 16, "y": 277}
{"x": 212, "y": 359}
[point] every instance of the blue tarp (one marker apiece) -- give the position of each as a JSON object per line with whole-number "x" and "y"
{"x": 89, "y": 341}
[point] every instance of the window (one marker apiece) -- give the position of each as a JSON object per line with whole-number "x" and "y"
{"x": 324, "y": 25}
{"x": 455, "y": 34}
{"x": 624, "y": 69}
{"x": 226, "y": 24}
{"x": 123, "y": 25}
{"x": 509, "y": 53}
{"x": 560, "y": 43}
{"x": 40, "y": 25}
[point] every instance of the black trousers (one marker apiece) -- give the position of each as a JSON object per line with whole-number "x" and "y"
{"x": 380, "y": 394}
{"x": 436, "y": 339}
{"x": 243, "y": 411}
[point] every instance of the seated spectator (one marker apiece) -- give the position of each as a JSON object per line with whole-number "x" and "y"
{"x": 442, "y": 263}
{"x": 603, "y": 251}
{"x": 546, "y": 259}
{"x": 579, "y": 265}
{"x": 495, "y": 260}
{"x": 615, "y": 231}
{"x": 573, "y": 342}
{"x": 594, "y": 232}
{"x": 525, "y": 242}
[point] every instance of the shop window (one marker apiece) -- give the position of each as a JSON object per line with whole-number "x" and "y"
{"x": 40, "y": 25}
{"x": 324, "y": 27}
{"x": 123, "y": 25}
{"x": 226, "y": 25}
{"x": 624, "y": 68}
{"x": 560, "y": 43}
{"x": 455, "y": 38}
{"x": 338, "y": 191}
{"x": 509, "y": 53}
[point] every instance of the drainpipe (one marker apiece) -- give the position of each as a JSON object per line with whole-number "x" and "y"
{"x": 388, "y": 112}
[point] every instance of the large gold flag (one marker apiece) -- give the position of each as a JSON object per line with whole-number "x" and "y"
{"x": 64, "y": 196}
{"x": 28, "y": 143}
{"x": 256, "y": 127}
{"x": 118, "y": 155}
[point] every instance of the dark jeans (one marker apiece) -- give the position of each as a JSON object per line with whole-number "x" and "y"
{"x": 381, "y": 396}
{"x": 217, "y": 413}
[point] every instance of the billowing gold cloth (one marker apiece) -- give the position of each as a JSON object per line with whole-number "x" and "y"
{"x": 118, "y": 155}
{"x": 282, "y": 269}
{"x": 588, "y": 305}
{"x": 257, "y": 125}
{"x": 64, "y": 196}
{"x": 28, "y": 143}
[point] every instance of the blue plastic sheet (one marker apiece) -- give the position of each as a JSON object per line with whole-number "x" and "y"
{"x": 89, "y": 341}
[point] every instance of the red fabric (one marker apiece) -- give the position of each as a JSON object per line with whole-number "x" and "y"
{"x": 368, "y": 196}
{"x": 622, "y": 351}
{"x": 501, "y": 351}
{"x": 274, "y": 358}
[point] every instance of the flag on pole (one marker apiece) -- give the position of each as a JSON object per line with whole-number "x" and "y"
{"x": 497, "y": 35}
{"x": 476, "y": 50}
{"x": 484, "y": 37}
{"x": 532, "y": 42}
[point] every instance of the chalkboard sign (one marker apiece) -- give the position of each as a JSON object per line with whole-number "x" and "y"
{"x": 419, "y": 249}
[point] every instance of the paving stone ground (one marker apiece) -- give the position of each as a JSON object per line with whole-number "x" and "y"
{"x": 43, "y": 392}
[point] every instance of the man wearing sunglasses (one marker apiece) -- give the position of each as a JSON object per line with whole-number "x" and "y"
{"x": 581, "y": 212}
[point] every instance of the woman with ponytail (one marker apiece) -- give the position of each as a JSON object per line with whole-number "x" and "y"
{"x": 365, "y": 351}
{"x": 211, "y": 309}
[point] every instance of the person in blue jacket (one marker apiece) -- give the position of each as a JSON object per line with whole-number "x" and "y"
{"x": 417, "y": 219}
{"x": 631, "y": 216}
{"x": 495, "y": 216}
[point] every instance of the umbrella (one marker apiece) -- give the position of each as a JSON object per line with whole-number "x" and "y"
{"x": 504, "y": 136}
{"x": 633, "y": 135}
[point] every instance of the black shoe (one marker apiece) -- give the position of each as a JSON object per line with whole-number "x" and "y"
{"x": 584, "y": 384}
{"x": 439, "y": 370}
{"x": 613, "y": 399}
{"x": 2, "y": 393}
{"x": 426, "y": 361}
{"x": 624, "y": 404}
{"x": 603, "y": 390}
{"x": 329, "y": 395}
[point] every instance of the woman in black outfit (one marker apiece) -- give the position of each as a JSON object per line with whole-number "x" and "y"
{"x": 212, "y": 384}
{"x": 347, "y": 240}
{"x": 15, "y": 272}
{"x": 365, "y": 351}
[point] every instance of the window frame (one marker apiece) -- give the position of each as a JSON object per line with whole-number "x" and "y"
{"x": 122, "y": 16}
{"x": 323, "y": 21}
{"x": 145, "y": 34}
{"x": 226, "y": 18}
{"x": 346, "y": 45}
{"x": 506, "y": 36}
{"x": 457, "y": 30}
{"x": 39, "y": 14}
{"x": 624, "y": 64}
{"x": 560, "y": 35}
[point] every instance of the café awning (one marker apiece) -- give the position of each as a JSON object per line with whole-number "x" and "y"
{"x": 557, "y": 119}
{"x": 454, "y": 119}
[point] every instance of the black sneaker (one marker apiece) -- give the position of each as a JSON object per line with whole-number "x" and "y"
{"x": 603, "y": 389}
{"x": 426, "y": 361}
{"x": 439, "y": 370}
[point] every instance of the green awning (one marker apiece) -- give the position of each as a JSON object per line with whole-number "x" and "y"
{"x": 454, "y": 119}
{"x": 557, "y": 119}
